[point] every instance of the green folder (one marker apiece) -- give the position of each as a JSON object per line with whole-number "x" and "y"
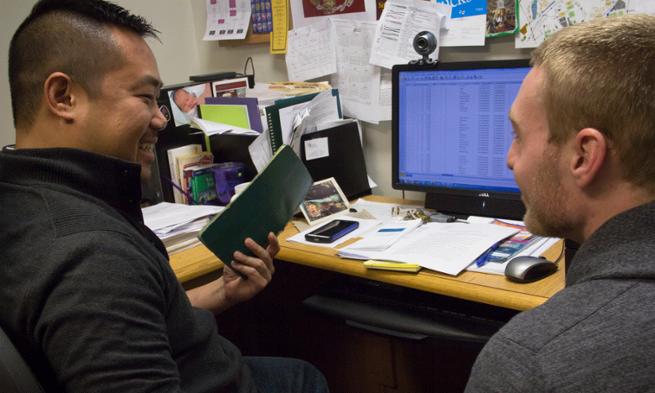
{"x": 266, "y": 205}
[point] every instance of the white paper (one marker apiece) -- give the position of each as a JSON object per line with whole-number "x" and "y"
{"x": 260, "y": 151}
{"x": 469, "y": 31}
{"x": 310, "y": 52}
{"x": 539, "y": 20}
{"x": 643, "y": 6}
{"x": 357, "y": 80}
{"x": 322, "y": 109}
{"x": 227, "y": 20}
{"x": 398, "y": 25}
{"x": 164, "y": 217}
{"x": 316, "y": 148}
{"x": 447, "y": 248}
{"x": 364, "y": 226}
{"x": 309, "y": 12}
{"x": 384, "y": 104}
{"x": 381, "y": 237}
{"x": 209, "y": 128}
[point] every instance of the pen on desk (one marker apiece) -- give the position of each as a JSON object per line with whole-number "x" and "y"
{"x": 484, "y": 258}
{"x": 180, "y": 189}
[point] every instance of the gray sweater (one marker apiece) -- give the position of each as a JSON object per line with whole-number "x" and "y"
{"x": 596, "y": 335}
{"x": 87, "y": 293}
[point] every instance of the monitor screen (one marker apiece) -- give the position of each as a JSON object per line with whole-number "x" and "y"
{"x": 451, "y": 134}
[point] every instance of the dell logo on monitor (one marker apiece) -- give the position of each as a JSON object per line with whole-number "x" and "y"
{"x": 483, "y": 195}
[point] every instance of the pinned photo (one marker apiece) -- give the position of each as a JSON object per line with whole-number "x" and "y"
{"x": 185, "y": 101}
{"x": 323, "y": 200}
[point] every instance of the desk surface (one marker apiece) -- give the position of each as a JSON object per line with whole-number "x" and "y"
{"x": 483, "y": 288}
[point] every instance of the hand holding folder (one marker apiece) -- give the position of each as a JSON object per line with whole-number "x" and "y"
{"x": 266, "y": 205}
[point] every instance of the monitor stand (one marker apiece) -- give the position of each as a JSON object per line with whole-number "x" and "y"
{"x": 464, "y": 206}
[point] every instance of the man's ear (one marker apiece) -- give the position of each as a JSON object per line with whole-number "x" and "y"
{"x": 590, "y": 150}
{"x": 60, "y": 98}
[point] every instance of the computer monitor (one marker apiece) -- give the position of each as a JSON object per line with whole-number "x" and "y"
{"x": 451, "y": 134}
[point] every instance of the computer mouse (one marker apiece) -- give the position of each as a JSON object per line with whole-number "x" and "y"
{"x": 529, "y": 269}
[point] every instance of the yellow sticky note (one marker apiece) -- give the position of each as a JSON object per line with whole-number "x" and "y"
{"x": 278, "y": 37}
{"x": 396, "y": 266}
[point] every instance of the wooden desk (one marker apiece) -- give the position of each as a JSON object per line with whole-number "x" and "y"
{"x": 482, "y": 288}
{"x": 275, "y": 322}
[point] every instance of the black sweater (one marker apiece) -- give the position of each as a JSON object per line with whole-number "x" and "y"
{"x": 87, "y": 293}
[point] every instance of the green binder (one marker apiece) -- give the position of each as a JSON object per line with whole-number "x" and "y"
{"x": 266, "y": 205}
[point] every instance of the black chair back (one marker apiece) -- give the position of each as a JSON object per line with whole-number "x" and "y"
{"x": 15, "y": 375}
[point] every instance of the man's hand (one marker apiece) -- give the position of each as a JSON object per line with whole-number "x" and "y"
{"x": 257, "y": 269}
{"x": 231, "y": 288}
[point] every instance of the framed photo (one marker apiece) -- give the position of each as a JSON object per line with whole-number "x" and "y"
{"x": 184, "y": 101}
{"x": 323, "y": 200}
{"x": 230, "y": 87}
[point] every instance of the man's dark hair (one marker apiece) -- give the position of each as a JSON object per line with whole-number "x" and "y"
{"x": 70, "y": 36}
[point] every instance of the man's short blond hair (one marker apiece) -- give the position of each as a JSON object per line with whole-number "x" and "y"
{"x": 601, "y": 74}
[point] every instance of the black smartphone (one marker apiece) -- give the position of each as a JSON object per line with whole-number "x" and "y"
{"x": 331, "y": 231}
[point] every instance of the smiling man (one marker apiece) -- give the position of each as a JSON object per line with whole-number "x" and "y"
{"x": 584, "y": 122}
{"x": 88, "y": 295}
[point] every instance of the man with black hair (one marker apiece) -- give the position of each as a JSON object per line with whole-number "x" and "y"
{"x": 88, "y": 295}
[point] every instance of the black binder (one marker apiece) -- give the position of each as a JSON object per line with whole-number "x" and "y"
{"x": 345, "y": 161}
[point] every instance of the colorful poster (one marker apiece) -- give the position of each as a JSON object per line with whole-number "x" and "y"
{"x": 331, "y": 7}
{"x": 467, "y": 24}
{"x": 307, "y": 12}
{"x": 539, "y": 19}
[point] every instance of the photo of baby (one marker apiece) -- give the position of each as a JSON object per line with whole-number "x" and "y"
{"x": 185, "y": 101}
{"x": 324, "y": 199}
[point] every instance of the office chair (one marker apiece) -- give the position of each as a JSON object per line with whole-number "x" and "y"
{"x": 15, "y": 375}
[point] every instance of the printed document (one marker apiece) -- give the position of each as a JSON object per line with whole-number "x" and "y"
{"x": 380, "y": 238}
{"x": 311, "y": 53}
{"x": 447, "y": 248}
{"x": 357, "y": 80}
{"x": 227, "y": 20}
{"x": 398, "y": 25}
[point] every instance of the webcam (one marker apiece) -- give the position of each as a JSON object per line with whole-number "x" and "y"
{"x": 424, "y": 44}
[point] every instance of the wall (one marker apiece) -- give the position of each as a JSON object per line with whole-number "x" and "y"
{"x": 182, "y": 53}
{"x": 13, "y": 12}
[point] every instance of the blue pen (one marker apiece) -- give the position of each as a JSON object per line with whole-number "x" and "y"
{"x": 484, "y": 258}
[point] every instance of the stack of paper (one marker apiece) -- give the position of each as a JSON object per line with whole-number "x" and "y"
{"x": 178, "y": 225}
{"x": 447, "y": 248}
